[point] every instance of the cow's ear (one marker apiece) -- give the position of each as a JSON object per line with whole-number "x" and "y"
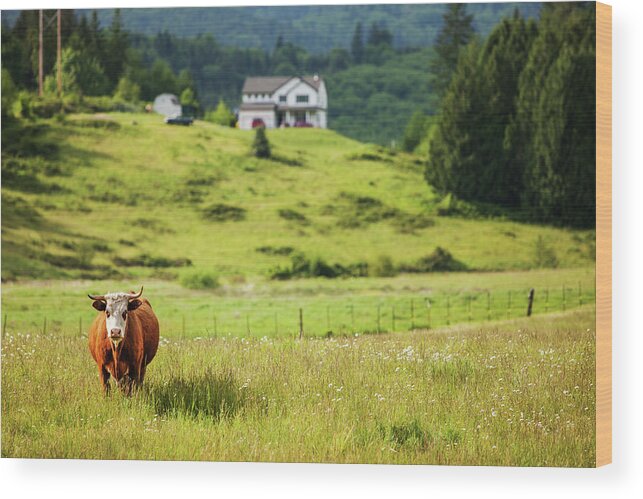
{"x": 134, "y": 304}
{"x": 99, "y": 305}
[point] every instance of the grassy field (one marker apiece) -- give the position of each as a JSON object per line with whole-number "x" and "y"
{"x": 344, "y": 306}
{"x": 397, "y": 364}
{"x": 517, "y": 392}
{"x": 124, "y": 195}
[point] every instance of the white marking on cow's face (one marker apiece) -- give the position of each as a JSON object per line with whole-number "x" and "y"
{"x": 116, "y": 316}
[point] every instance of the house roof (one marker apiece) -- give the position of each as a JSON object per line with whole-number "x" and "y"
{"x": 268, "y": 84}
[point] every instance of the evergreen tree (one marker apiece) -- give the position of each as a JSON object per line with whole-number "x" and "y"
{"x": 357, "y": 44}
{"x": 222, "y": 115}
{"x": 378, "y": 35}
{"x": 454, "y": 162}
{"x": 127, "y": 90}
{"x": 260, "y": 144}
{"x": 415, "y": 131}
{"x": 503, "y": 58}
{"x": 553, "y": 134}
{"x": 115, "y": 56}
{"x": 457, "y": 31}
{"x": 9, "y": 94}
{"x": 189, "y": 102}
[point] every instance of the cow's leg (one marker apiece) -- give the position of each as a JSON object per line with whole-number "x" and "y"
{"x": 141, "y": 374}
{"x": 104, "y": 379}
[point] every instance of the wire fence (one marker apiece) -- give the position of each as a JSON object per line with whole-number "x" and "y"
{"x": 331, "y": 316}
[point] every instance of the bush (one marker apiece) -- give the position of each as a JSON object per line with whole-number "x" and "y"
{"x": 221, "y": 116}
{"x": 145, "y": 260}
{"x": 260, "y": 145}
{"x": 85, "y": 254}
{"x": 9, "y": 94}
{"x": 275, "y": 250}
{"x": 199, "y": 280}
{"x": 219, "y": 212}
{"x": 544, "y": 255}
{"x": 301, "y": 267}
{"x": 382, "y": 267}
{"x": 440, "y": 260}
{"x": 293, "y": 216}
{"x": 127, "y": 90}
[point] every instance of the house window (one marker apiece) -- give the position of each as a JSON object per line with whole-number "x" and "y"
{"x": 302, "y": 98}
{"x": 282, "y": 98}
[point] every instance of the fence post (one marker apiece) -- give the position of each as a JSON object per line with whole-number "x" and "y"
{"x": 580, "y": 294}
{"x": 469, "y": 308}
{"x": 564, "y": 299}
{"x": 352, "y": 318}
{"x": 393, "y": 318}
{"x": 214, "y": 324}
{"x": 44, "y": 326}
{"x": 379, "y": 329}
{"x": 248, "y": 324}
{"x": 327, "y": 317}
{"x": 509, "y": 305}
{"x": 546, "y": 300}
{"x": 531, "y": 301}
{"x": 80, "y": 326}
{"x": 4, "y": 326}
{"x": 276, "y": 325}
{"x": 183, "y": 327}
{"x": 448, "y": 311}
{"x": 412, "y": 314}
{"x": 301, "y": 323}
{"x": 428, "y": 312}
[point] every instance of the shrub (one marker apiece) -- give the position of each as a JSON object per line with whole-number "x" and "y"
{"x": 275, "y": 250}
{"x": 302, "y": 266}
{"x": 260, "y": 145}
{"x": 544, "y": 255}
{"x": 127, "y": 90}
{"x": 199, "y": 280}
{"x": 85, "y": 253}
{"x": 440, "y": 260}
{"x": 219, "y": 212}
{"x": 145, "y": 260}
{"x": 221, "y": 116}
{"x": 382, "y": 267}
{"x": 293, "y": 216}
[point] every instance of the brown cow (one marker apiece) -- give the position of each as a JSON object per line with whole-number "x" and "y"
{"x": 123, "y": 338}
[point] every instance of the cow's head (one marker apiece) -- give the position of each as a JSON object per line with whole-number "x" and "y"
{"x": 116, "y": 307}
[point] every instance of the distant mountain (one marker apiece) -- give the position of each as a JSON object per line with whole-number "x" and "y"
{"x": 317, "y": 28}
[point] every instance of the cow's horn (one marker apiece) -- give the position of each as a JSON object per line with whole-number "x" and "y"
{"x": 97, "y": 297}
{"x": 133, "y": 296}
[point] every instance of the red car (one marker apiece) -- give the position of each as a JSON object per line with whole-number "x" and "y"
{"x": 258, "y": 122}
{"x": 303, "y": 124}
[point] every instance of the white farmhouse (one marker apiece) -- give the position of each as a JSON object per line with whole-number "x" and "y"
{"x": 283, "y": 101}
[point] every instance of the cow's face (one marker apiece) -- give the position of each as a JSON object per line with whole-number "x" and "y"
{"x": 116, "y": 306}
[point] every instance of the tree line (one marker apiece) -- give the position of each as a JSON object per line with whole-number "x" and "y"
{"x": 374, "y": 87}
{"x": 516, "y": 122}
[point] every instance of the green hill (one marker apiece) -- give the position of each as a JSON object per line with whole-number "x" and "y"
{"x": 120, "y": 195}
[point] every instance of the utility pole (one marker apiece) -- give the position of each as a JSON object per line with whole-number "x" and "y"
{"x": 59, "y": 57}
{"x": 40, "y": 55}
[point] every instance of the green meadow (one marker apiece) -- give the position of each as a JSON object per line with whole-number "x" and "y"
{"x": 125, "y": 195}
{"x": 410, "y": 354}
{"x": 511, "y": 393}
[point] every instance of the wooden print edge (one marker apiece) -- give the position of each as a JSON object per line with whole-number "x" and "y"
{"x": 603, "y": 234}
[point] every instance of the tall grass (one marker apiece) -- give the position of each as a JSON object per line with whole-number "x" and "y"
{"x": 514, "y": 393}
